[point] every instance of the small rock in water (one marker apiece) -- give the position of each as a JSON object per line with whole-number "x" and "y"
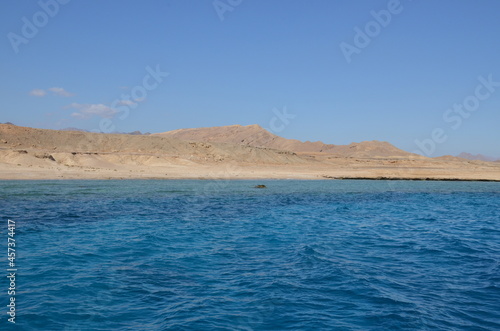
{"x": 260, "y": 186}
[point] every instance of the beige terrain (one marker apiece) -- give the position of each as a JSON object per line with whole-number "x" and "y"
{"x": 256, "y": 136}
{"x": 230, "y": 152}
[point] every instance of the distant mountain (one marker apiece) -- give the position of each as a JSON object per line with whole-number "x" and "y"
{"x": 478, "y": 157}
{"x": 256, "y": 136}
{"x": 74, "y": 129}
{"x": 134, "y": 133}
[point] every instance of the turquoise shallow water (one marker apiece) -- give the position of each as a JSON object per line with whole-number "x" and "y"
{"x": 222, "y": 255}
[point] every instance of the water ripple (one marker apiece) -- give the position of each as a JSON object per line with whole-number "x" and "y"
{"x": 181, "y": 255}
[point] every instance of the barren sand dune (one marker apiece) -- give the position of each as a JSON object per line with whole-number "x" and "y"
{"x": 215, "y": 153}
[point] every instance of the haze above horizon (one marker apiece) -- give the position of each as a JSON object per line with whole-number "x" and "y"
{"x": 421, "y": 75}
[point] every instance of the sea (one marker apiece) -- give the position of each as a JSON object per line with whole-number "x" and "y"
{"x": 225, "y": 255}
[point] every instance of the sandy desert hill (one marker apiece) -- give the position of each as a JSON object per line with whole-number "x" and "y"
{"x": 216, "y": 153}
{"x": 75, "y": 143}
{"x": 255, "y": 135}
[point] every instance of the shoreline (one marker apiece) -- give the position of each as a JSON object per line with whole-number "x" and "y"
{"x": 51, "y": 170}
{"x": 324, "y": 178}
{"x": 422, "y": 179}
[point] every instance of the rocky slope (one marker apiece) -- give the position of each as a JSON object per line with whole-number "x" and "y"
{"x": 256, "y": 136}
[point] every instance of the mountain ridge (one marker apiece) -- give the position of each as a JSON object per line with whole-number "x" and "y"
{"x": 256, "y": 136}
{"x": 30, "y": 153}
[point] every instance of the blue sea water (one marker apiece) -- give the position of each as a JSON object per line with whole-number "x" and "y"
{"x": 223, "y": 255}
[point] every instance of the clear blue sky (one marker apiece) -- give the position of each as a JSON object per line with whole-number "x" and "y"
{"x": 263, "y": 55}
